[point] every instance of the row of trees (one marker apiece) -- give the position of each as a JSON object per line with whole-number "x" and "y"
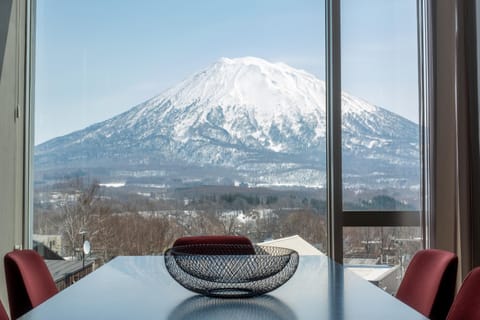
{"x": 116, "y": 228}
{"x": 132, "y": 227}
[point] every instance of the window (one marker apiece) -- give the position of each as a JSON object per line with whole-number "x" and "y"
{"x": 222, "y": 130}
{"x": 155, "y": 120}
{"x": 380, "y": 65}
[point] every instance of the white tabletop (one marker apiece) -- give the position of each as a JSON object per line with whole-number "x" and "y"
{"x": 141, "y": 288}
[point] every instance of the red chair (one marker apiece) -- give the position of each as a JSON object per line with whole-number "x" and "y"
{"x": 245, "y": 245}
{"x": 29, "y": 283}
{"x": 466, "y": 305}
{"x": 429, "y": 283}
{"x": 3, "y": 313}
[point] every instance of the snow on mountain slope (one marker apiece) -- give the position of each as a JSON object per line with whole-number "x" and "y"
{"x": 249, "y": 115}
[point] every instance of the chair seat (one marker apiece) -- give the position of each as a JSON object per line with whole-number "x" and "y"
{"x": 466, "y": 305}
{"x": 429, "y": 283}
{"x": 244, "y": 244}
{"x": 29, "y": 282}
{"x": 3, "y": 313}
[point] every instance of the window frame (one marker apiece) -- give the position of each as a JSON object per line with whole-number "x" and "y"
{"x": 337, "y": 217}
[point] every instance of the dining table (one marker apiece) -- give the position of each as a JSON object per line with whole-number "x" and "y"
{"x": 140, "y": 287}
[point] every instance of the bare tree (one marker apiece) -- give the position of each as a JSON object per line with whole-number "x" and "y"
{"x": 305, "y": 223}
{"x": 77, "y": 215}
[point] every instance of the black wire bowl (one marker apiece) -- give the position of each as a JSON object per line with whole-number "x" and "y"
{"x": 230, "y": 270}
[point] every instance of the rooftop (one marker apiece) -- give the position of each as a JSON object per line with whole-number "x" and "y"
{"x": 296, "y": 243}
{"x": 61, "y": 268}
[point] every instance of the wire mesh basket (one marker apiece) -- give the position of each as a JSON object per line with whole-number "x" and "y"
{"x": 230, "y": 270}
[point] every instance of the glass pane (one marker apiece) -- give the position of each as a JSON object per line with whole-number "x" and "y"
{"x": 159, "y": 119}
{"x": 380, "y": 254}
{"x": 380, "y": 108}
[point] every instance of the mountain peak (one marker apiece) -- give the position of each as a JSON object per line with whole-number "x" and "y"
{"x": 262, "y": 64}
{"x": 246, "y": 61}
{"x": 265, "y": 88}
{"x": 242, "y": 60}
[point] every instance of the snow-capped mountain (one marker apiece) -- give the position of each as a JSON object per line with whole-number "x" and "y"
{"x": 249, "y": 120}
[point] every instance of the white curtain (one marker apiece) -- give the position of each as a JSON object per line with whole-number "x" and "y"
{"x": 453, "y": 128}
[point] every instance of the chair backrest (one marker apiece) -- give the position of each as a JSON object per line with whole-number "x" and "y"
{"x": 245, "y": 245}
{"x": 429, "y": 283}
{"x": 466, "y": 305}
{"x": 3, "y": 313}
{"x": 29, "y": 283}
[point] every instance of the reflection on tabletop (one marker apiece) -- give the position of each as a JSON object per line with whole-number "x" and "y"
{"x": 265, "y": 307}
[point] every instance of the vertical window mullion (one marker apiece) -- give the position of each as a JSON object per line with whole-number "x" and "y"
{"x": 334, "y": 130}
{"x": 29, "y": 123}
{"x": 425, "y": 90}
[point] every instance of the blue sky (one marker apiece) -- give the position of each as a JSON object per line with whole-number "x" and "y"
{"x": 96, "y": 59}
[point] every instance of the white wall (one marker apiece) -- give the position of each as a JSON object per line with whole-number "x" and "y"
{"x": 12, "y": 66}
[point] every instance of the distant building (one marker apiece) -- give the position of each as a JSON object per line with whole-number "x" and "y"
{"x": 64, "y": 273}
{"x": 386, "y": 277}
{"x": 296, "y": 243}
{"x": 51, "y": 241}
